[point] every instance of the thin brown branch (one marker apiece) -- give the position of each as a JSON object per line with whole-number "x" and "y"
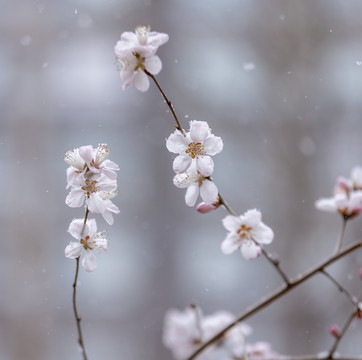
{"x": 168, "y": 102}
{"x": 341, "y": 235}
{"x": 276, "y": 295}
{"x": 275, "y": 263}
{"x": 227, "y": 207}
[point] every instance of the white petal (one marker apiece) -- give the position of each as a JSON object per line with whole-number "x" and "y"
{"x": 86, "y": 152}
{"x": 181, "y": 163}
{"x": 326, "y": 205}
{"x": 231, "y": 223}
{"x": 213, "y": 145}
{"x": 209, "y": 191}
{"x": 191, "y": 195}
{"x": 141, "y": 81}
{"x": 110, "y": 174}
{"x": 75, "y": 198}
{"x": 199, "y": 130}
{"x": 205, "y": 165}
{"x": 157, "y": 39}
{"x": 127, "y": 78}
{"x": 252, "y": 218}
{"x": 108, "y": 216}
{"x": 356, "y": 176}
{"x": 109, "y": 164}
{"x": 230, "y": 244}
{"x": 73, "y": 250}
{"x": 177, "y": 143}
{"x": 263, "y": 234}
{"x": 153, "y": 64}
{"x": 76, "y": 227}
{"x": 92, "y": 226}
{"x": 89, "y": 261}
{"x": 96, "y": 204}
{"x": 250, "y": 250}
{"x": 183, "y": 180}
{"x": 129, "y": 36}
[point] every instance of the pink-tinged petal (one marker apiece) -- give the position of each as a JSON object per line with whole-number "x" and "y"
{"x": 204, "y": 208}
{"x": 209, "y": 191}
{"x": 157, "y": 39}
{"x": 230, "y": 244}
{"x": 89, "y": 261}
{"x": 107, "y": 184}
{"x": 129, "y": 36}
{"x": 356, "y": 177}
{"x": 74, "y": 177}
{"x": 127, "y": 78}
{"x": 96, "y": 204}
{"x": 153, "y": 64}
{"x": 92, "y": 225}
{"x": 252, "y": 218}
{"x": 191, "y": 195}
{"x": 199, "y": 131}
{"x": 76, "y": 227}
{"x": 231, "y": 223}
{"x": 205, "y": 165}
{"x": 213, "y": 145}
{"x": 73, "y": 250}
{"x": 75, "y": 198}
{"x": 109, "y": 164}
{"x": 262, "y": 234}
{"x": 108, "y": 216}
{"x": 141, "y": 81}
{"x": 250, "y": 250}
{"x": 325, "y": 204}
{"x": 86, "y": 152}
{"x": 110, "y": 174}
{"x": 177, "y": 143}
{"x": 181, "y": 163}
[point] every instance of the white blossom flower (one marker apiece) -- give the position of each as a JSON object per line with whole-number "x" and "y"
{"x": 356, "y": 177}
{"x": 89, "y": 240}
{"x": 110, "y": 207}
{"x": 196, "y": 183}
{"x": 135, "y": 52}
{"x": 246, "y": 232}
{"x": 195, "y": 146}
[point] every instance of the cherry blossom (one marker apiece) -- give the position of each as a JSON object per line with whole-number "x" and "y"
{"x": 196, "y": 184}
{"x": 135, "y": 53}
{"x": 246, "y": 232}
{"x": 196, "y": 146}
{"x": 89, "y": 240}
{"x": 205, "y": 208}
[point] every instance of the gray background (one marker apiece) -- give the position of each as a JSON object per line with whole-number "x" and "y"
{"x": 290, "y": 127}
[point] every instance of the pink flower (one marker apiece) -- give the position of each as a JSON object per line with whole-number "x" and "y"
{"x": 195, "y": 184}
{"x": 89, "y": 240}
{"x": 195, "y": 147}
{"x": 205, "y": 208}
{"x": 334, "y": 330}
{"x": 135, "y": 53}
{"x": 246, "y": 232}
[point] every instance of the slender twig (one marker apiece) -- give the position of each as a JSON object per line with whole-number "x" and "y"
{"x": 77, "y": 317}
{"x": 341, "y": 235}
{"x": 276, "y": 264}
{"x": 342, "y": 289}
{"x": 227, "y": 207}
{"x": 168, "y": 102}
{"x": 340, "y": 336}
{"x": 276, "y": 295}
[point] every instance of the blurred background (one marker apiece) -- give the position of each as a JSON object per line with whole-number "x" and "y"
{"x": 279, "y": 81}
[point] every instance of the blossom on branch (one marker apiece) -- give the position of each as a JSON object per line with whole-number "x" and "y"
{"x": 246, "y": 232}
{"x": 89, "y": 240}
{"x": 135, "y": 53}
{"x": 195, "y": 147}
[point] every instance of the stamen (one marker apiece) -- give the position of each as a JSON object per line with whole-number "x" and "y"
{"x": 195, "y": 150}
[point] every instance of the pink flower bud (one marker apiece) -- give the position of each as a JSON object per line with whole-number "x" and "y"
{"x": 204, "y": 208}
{"x": 334, "y": 330}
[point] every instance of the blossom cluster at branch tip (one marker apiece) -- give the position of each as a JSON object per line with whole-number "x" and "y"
{"x": 185, "y": 331}
{"x": 347, "y": 199}
{"x": 193, "y": 165}
{"x": 92, "y": 180}
{"x": 246, "y": 232}
{"x": 135, "y": 53}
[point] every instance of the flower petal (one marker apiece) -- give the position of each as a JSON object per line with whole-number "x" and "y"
{"x": 213, "y": 145}
{"x": 326, "y": 204}
{"x": 181, "y": 163}
{"x": 231, "y": 223}
{"x": 73, "y": 250}
{"x": 199, "y": 130}
{"x": 177, "y": 143}
{"x": 96, "y": 204}
{"x": 263, "y": 234}
{"x": 127, "y": 78}
{"x": 86, "y": 152}
{"x": 76, "y": 227}
{"x": 230, "y": 244}
{"x": 191, "y": 195}
{"x": 157, "y": 39}
{"x": 75, "y": 198}
{"x": 89, "y": 261}
{"x": 209, "y": 191}
{"x": 250, "y": 250}
{"x": 141, "y": 81}
{"x": 108, "y": 216}
{"x": 153, "y": 64}
{"x": 205, "y": 165}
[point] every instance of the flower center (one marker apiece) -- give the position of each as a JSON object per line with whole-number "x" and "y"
{"x": 86, "y": 244}
{"x": 245, "y": 232}
{"x": 142, "y": 34}
{"x": 90, "y": 187}
{"x": 195, "y": 150}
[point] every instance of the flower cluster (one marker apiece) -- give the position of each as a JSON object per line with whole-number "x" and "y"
{"x": 135, "y": 53}
{"x": 193, "y": 165}
{"x": 92, "y": 180}
{"x": 347, "y": 198}
{"x": 185, "y": 331}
